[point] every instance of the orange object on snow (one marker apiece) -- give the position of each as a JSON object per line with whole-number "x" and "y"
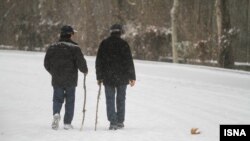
{"x": 195, "y": 131}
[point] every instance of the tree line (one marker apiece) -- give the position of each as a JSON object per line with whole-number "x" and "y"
{"x": 206, "y": 31}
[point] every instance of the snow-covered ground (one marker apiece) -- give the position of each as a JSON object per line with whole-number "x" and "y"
{"x": 167, "y": 101}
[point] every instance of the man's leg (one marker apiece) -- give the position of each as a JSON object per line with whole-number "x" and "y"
{"x": 69, "y": 105}
{"x": 120, "y": 103}
{"x": 58, "y": 99}
{"x": 110, "y": 104}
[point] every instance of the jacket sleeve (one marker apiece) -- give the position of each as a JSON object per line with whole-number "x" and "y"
{"x": 80, "y": 60}
{"x": 129, "y": 63}
{"x": 99, "y": 62}
{"x": 47, "y": 60}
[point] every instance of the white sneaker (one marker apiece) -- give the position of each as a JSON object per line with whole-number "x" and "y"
{"x": 68, "y": 126}
{"x": 55, "y": 123}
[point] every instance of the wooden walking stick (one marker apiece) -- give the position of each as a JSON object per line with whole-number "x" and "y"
{"x": 84, "y": 103}
{"x": 97, "y": 104}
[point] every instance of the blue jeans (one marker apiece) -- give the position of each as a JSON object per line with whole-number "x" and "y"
{"x": 115, "y": 114}
{"x": 68, "y": 94}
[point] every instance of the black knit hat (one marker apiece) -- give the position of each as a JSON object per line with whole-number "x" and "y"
{"x": 66, "y": 29}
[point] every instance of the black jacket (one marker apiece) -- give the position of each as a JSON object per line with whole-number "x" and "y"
{"x": 114, "y": 62}
{"x": 62, "y": 61}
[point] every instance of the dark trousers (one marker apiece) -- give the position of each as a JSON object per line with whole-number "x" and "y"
{"x": 115, "y": 103}
{"x": 68, "y": 94}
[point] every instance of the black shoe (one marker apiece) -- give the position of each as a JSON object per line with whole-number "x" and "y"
{"x": 120, "y": 125}
{"x": 113, "y": 127}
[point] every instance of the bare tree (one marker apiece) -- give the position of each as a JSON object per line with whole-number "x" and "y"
{"x": 248, "y": 30}
{"x": 90, "y": 27}
{"x": 174, "y": 14}
{"x": 225, "y": 56}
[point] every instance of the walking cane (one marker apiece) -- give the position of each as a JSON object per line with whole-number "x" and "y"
{"x": 97, "y": 104}
{"x": 84, "y": 103}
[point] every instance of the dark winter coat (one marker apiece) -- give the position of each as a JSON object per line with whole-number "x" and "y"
{"x": 62, "y": 61}
{"x": 114, "y": 62}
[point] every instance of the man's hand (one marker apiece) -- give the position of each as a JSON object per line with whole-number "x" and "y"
{"x": 99, "y": 82}
{"x": 132, "y": 83}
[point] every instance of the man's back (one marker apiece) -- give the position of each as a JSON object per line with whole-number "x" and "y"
{"x": 62, "y": 60}
{"x": 114, "y": 61}
{"x": 115, "y": 53}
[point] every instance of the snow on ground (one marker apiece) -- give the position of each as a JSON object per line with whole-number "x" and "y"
{"x": 167, "y": 101}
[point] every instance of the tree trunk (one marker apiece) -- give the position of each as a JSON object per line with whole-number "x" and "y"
{"x": 225, "y": 50}
{"x": 248, "y": 30}
{"x": 174, "y": 14}
{"x": 90, "y": 27}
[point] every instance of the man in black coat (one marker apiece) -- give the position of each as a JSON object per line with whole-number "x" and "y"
{"x": 62, "y": 61}
{"x": 115, "y": 68}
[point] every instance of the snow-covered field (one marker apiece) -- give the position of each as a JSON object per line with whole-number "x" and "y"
{"x": 167, "y": 101}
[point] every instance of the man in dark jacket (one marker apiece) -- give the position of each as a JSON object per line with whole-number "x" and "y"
{"x": 62, "y": 61}
{"x": 115, "y": 68}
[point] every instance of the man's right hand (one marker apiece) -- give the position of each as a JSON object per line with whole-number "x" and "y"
{"x": 99, "y": 82}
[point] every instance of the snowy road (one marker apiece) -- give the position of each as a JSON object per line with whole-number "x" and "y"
{"x": 167, "y": 101}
